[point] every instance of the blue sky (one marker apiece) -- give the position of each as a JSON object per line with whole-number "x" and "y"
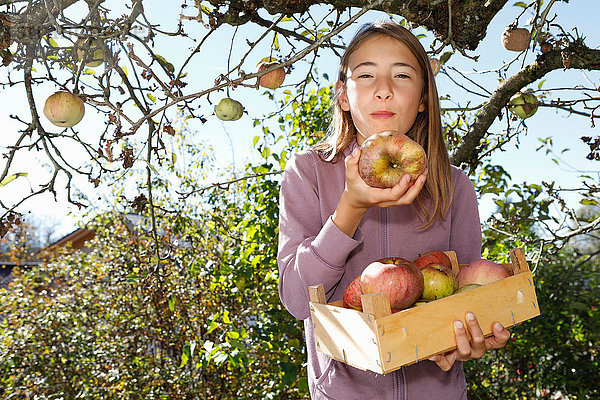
{"x": 232, "y": 141}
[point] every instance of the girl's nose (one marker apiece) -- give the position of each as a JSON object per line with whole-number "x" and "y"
{"x": 383, "y": 91}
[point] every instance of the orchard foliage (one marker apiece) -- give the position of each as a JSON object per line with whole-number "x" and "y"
{"x": 184, "y": 303}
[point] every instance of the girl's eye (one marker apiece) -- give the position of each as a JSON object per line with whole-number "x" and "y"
{"x": 402, "y": 76}
{"x": 365, "y": 75}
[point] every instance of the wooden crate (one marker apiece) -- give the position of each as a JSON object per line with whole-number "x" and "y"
{"x": 382, "y": 342}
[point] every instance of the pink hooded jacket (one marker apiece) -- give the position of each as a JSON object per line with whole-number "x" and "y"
{"x": 312, "y": 250}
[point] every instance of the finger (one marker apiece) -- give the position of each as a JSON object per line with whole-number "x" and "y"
{"x": 404, "y": 193}
{"x": 500, "y": 338}
{"x": 463, "y": 347}
{"x": 478, "y": 346}
{"x": 445, "y": 361}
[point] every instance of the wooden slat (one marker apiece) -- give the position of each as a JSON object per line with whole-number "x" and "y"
{"x": 455, "y": 266}
{"x": 378, "y": 304}
{"x": 421, "y": 332}
{"x": 346, "y": 335}
{"x": 517, "y": 257}
{"x": 316, "y": 294}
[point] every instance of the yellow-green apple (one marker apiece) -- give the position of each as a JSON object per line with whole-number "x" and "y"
{"x": 523, "y": 104}
{"x": 436, "y": 65}
{"x": 90, "y": 50}
{"x": 438, "y": 281}
{"x": 273, "y": 79}
{"x": 398, "y": 277}
{"x": 515, "y": 39}
{"x": 64, "y": 109}
{"x": 352, "y": 295}
{"x": 387, "y": 156}
{"x": 481, "y": 272}
{"x": 229, "y": 109}
{"x": 433, "y": 256}
{"x": 468, "y": 287}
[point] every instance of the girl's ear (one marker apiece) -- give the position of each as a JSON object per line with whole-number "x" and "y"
{"x": 421, "y": 107}
{"x": 343, "y": 99}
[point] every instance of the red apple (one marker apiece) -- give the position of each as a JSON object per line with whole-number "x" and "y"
{"x": 436, "y": 65}
{"x": 273, "y": 79}
{"x": 433, "y": 256}
{"x": 438, "y": 281}
{"x": 352, "y": 295}
{"x": 515, "y": 39}
{"x": 481, "y": 272}
{"x": 399, "y": 278}
{"x": 64, "y": 109}
{"x": 387, "y": 156}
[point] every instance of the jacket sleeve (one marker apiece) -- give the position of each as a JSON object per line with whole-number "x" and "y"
{"x": 309, "y": 252}
{"x": 465, "y": 235}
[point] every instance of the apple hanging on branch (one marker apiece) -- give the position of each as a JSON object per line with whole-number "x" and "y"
{"x": 387, "y": 156}
{"x": 436, "y": 65}
{"x": 229, "y": 109}
{"x": 64, "y": 109}
{"x": 90, "y": 51}
{"x": 523, "y": 104}
{"x": 515, "y": 39}
{"x": 273, "y": 79}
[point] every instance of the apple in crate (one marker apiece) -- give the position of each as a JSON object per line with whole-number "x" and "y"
{"x": 438, "y": 281}
{"x": 352, "y": 295}
{"x": 481, "y": 272}
{"x": 387, "y": 156}
{"x": 433, "y": 256}
{"x": 398, "y": 277}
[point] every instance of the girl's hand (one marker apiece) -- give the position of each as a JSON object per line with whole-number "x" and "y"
{"x": 362, "y": 196}
{"x": 477, "y": 347}
{"x": 358, "y": 197}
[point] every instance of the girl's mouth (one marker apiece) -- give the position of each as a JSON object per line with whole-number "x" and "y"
{"x": 383, "y": 114}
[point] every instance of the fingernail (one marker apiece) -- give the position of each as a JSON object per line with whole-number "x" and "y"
{"x": 470, "y": 316}
{"x": 498, "y": 326}
{"x": 421, "y": 179}
{"x": 458, "y": 324}
{"x": 355, "y": 151}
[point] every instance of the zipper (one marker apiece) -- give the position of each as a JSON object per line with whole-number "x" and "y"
{"x": 399, "y": 373}
{"x": 384, "y": 218}
{"x": 400, "y": 382}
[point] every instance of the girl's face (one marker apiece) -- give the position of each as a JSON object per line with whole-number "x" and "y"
{"x": 383, "y": 87}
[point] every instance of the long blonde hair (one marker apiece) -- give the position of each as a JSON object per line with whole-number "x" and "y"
{"x": 426, "y": 130}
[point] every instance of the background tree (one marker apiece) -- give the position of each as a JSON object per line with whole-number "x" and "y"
{"x": 207, "y": 317}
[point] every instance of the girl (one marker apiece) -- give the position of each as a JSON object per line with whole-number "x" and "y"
{"x": 332, "y": 224}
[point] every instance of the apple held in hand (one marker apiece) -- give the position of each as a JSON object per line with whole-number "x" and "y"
{"x": 387, "y": 156}
{"x": 433, "y": 256}
{"x": 64, "y": 109}
{"x": 399, "y": 278}
{"x": 352, "y": 295}
{"x": 481, "y": 272}
{"x": 273, "y": 79}
{"x": 438, "y": 281}
{"x": 229, "y": 109}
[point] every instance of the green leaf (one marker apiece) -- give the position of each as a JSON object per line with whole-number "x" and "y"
{"x": 541, "y": 84}
{"x": 165, "y": 63}
{"x": 520, "y": 4}
{"x": 152, "y": 98}
{"x": 276, "y": 42}
{"x": 186, "y": 354}
{"x": 445, "y": 57}
{"x": 171, "y": 302}
{"x": 89, "y": 71}
{"x": 12, "y": 177}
